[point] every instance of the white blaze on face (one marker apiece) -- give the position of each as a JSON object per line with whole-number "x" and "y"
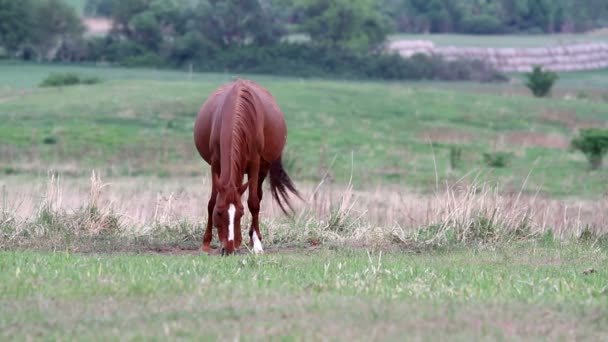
{"x": 257, "y": 244}
{"x": 231, "y": 212}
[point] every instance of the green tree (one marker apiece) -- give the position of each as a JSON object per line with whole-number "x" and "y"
{"x": 147, "y": 23}
{"x": 352, "y": 24}
{"x": 54, "y": 24}
{"x": 540, "y": 82}
{"x": 101, "y": 8}
{"x": 593, "y": 142}
{"x": 15, "y": 24}
{"x": 238, "y": 22}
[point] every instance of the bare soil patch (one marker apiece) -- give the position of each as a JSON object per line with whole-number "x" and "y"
{"x": 194, "y": 250}
{"x": 570, "y": 120}
{"x": 533, "y": 139}
{"x": 447, "y": 135}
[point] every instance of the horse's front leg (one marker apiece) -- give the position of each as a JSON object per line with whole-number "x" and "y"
{"x": 208, "y": 236}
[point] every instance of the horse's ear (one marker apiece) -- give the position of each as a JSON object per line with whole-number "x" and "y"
{"x": 216, "y": 182}
{"x": 243, "y": 188}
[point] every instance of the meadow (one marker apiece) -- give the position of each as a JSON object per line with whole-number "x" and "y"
{"x": 102, "y": 199}
{"x": 139, "y": 122}
{"x": 506, "y": 40}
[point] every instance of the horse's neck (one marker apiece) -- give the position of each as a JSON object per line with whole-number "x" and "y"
{"x": 232, "y": 162}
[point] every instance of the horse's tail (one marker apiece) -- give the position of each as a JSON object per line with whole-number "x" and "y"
{"x": 280, "y": 184}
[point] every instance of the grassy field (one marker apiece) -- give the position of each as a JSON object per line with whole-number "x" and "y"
{"x": 412, "y": 248}
{"x": 505, "y": 40}
{"x": 140, "y": 122}
{"x": 554, "y": 293}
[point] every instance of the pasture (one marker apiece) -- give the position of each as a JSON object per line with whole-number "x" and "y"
{"x": 391, "y": 241}
{"x": 140, "y": 123}
{"x": 506, "y": 40}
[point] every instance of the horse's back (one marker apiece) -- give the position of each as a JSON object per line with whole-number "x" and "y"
{"x": 203, "y": 126}
{"x": 272, "y": 129}
{"x": 274, "y": 126}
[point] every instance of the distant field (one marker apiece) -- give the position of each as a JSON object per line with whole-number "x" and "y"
{"x": 140, "y": 121}
{"x": 400, "y": 255}
{"x": 498, "y": 41}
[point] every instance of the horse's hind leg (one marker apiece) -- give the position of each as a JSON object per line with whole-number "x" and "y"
{"x": 254, "y": 200}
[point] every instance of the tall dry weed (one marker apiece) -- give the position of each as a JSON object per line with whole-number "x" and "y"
{"x": 463, "y": 212}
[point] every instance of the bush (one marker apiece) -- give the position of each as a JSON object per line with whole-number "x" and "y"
{"x": 482, "y": 24}
{"x": 290, "y": 59}
{"x": 296, "y": 59}
{"x": 68, "y": 79}
{"x": 540, "y": 82}
{"x": 98, "y": 8}
{"x": 455, "y": 156}
{"x": 497, "y": 159}
{"x": 593, "y": 142}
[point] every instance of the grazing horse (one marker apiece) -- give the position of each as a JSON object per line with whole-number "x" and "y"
{"x": 241, "y": 130}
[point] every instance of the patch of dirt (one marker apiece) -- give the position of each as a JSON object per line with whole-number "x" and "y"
{"x": 446, "y": 135}
{"x": 10, "y": 96}
{"x": 533, "y": 139}
{"x": 172, "y": 250}
{"x": 570, "y": 120}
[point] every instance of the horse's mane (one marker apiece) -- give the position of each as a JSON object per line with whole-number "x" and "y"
{"x": 243, "y": 128}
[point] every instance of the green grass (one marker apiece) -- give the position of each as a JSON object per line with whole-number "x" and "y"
{"x": 504, "y": 40}
{"x": 529, "y": 292}
{"x": 141, "y": 120}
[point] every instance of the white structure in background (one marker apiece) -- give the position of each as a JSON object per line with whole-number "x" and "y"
{"x": 572, "y": 57}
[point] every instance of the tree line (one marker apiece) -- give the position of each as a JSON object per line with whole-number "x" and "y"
{"x": 496, "y": 16}
{"x": 301, "y": 37}
{"x": 461, "y": 16}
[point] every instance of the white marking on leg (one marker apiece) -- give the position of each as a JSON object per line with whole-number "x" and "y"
{"x": 231, "y": 211}
{"x": 257, "y": 244}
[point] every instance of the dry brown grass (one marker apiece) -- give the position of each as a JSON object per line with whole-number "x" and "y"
{"x": 534, "y": 139}
{"x": 447, "y": 135}
{"x": 336, "y": 214}
{"x": 570, "y": 120}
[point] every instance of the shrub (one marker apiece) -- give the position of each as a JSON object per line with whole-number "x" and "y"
{"x": 60, "y": 79}
{"x": 540, "y": 82}
{"x": 49, "y": 140}
{"x": 297, "y": 59}
{"x": 148, "y": 60}
{"x": 482, "y": 24}
{"x": 68, "y": 79}
{"x": 593, "y": 142}
{"x": 290, "y": 59}
{"x": 90, "y": 80}
{"x": 496, "y": 159}
{"x": 455, "y": 156}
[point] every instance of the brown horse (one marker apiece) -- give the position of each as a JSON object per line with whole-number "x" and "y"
{"x": 241, "y": 130}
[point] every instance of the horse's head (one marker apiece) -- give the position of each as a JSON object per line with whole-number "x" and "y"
{"x": 227, "y": 214}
